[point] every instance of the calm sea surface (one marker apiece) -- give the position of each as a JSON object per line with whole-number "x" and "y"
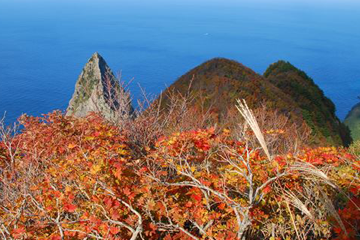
{"x": 45, "y": 44}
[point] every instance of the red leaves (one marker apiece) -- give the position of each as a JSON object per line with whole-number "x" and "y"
{"x": 57, "y": 194}
{"x": 204, "y": 146}
{"x": 221, "y": 206}
{"x": 69, "y": 207}
{"x": 108, "y": 202}
{"x": 114, "y": 230}
{"x": 355, "y": 190}
{"x": 205, "y": 182}
{"x": 316, "y": 161}
{"x": 18, "y": 232}
{"x": 196, "y": 197}
{"x": 267, "y": 189}
{"x": 350, "y": 216}
{"x": 174, "y": 182}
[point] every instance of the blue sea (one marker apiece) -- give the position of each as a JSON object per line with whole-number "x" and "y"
{"x": 44, "y": 44}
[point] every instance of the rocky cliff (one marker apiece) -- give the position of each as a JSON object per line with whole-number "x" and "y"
{"x": 98, "y": 90}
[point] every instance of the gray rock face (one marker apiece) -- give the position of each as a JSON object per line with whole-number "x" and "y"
{"x": 97, "y": 90}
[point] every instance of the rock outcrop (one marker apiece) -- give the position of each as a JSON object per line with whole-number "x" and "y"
{"x": 98, "y": 90}
{"x": 352, "y": 120}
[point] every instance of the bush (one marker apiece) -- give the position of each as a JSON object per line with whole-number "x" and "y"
{"x": 67, "y": 178}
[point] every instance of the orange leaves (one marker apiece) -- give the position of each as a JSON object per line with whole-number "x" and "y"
{"x": 87, "y": 175}
{"x": 205, "y": 182}
{"x": 325, "y": 155}
{"x": 57, "y": 194}
{"x": 114, "y": 230}
{"x": 71, "y": 145}
{"x": 200, "y": 140}
{"x": 126, "y": 191}
{"x": 221, "y": 206}
{"x": 18, "y": 232}
{"x": 188, "y": 204}
{"x": 75, "y": 159}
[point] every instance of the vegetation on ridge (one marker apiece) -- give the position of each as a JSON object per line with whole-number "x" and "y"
{"x": 352, "y": 120}
{"x": 173, "y": 173}
{"x": 317, "y": 110}
{"x": 216, "y": 84}
{"x": 68, "y": 178}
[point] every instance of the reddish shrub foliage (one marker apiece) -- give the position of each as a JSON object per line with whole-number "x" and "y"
{"x": 66, "y": 178}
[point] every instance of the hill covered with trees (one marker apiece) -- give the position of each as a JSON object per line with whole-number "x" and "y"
{"x": 352, "y": 120}
{"x": 317, "y": 110}
{"x": 216, "y": 85}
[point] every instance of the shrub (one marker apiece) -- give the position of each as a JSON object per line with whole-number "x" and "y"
{"x": 67, "y": 178}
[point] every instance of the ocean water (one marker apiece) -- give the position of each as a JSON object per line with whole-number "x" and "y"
{"x": 45, "y": 43}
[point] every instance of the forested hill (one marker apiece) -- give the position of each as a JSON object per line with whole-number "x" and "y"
{"x": 216, "y": 84}
{"x": 352, "y": 120}
{"x": 317, "y": 110}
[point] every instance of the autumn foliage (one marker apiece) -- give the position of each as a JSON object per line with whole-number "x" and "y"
{"x": 67, "y": 178}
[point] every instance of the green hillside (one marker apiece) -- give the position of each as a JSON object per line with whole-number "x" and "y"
{"x": 352, "y": 120}
{"x": 217, "y": 83}
{"x": 317, "y": 110}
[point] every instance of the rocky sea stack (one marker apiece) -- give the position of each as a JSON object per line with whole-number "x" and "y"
{"x": 98, "y": 90}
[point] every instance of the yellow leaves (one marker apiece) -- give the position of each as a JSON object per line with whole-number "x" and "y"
{"x": 277, "y": 238}
{"x": 89, "y": 138}
{"x": 299, "y": 219}
{"x": 280, "y": 219}
{"x": 179, "y": 169}
{"x": 95, "y": 169}
{"x": 123, "y": 152}
{"x": 226, "y": 131}
{"x": 276, "y": 165}
{"x": 275, "y": 131}
{"x": 204, "y": 201}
